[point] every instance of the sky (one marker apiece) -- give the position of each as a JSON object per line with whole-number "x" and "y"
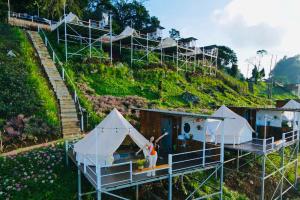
{"x": 243, "y": 25}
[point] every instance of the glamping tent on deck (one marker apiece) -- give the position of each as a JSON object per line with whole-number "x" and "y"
{"x": 236, "y": 129}
{"x": 292, "y": 116}
{"x": 101, "y": 143}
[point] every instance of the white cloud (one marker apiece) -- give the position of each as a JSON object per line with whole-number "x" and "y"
{"x": 250, "y": 25}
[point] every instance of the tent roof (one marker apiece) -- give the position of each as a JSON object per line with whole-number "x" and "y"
{"x": 292, "y": 104}
{"x": 188, "y": 39}
{"x": 233, "y": 121}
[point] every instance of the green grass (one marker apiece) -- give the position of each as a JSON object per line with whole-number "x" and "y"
{"x": 24, "y": 89}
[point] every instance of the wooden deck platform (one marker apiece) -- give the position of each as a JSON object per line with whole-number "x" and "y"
{"x": 31, "y": 25}
{"x": 258, "y": 149}
{"x": 120, "y": 181}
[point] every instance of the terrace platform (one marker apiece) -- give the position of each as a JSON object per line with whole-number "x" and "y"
{"x": 124, "y": 174}
{"x": 265, "y": 146}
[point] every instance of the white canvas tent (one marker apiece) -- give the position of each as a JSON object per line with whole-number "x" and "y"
{"x": 291, "y": 116}
{"x": 236, "y": 128}
{"x": 101, "y": 143}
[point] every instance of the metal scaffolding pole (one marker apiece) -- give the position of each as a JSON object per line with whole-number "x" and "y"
{"x": 282, "y": 170}
{"x": 296, "y": 163}
{"x": 79, "y": 181}
{"x": 222, "y": 161}
{"x": 161, "y": 51}
{"x": 262, "y": 193}
{"x": 98, "y": 170}
{"x": 131, "y": 49}
{"x": 137, "y": 192}
{"x": 177, "y": 56}
{"x": 170, "y": 178}
{"x": 8, "y": 7}
{"x": 147, "y": 48}
{"x": 90, "y": 38}
{"x": 66, "y": 44}
{"x": 238, "y": 161}
{"x": 110, "y": 37}
{"x": 57, "y": 32}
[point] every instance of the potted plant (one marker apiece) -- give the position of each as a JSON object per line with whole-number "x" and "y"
{"x": 140, "y": 163}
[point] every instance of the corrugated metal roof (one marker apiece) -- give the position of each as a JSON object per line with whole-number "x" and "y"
{"x": 266, "y": 108}
{"x": 178, "y": 113}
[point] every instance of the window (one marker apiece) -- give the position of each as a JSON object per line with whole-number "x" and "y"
{"x": 186, "y": 127}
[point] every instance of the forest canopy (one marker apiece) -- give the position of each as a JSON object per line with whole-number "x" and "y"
{"x": 287, "y": 70}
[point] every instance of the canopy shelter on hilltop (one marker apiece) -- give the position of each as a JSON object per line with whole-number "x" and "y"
{"x": 236, "y": 129}
{"x": 92, "y": 35}
{"x": 85, "y": 34}
{"x": 102, "y": 142}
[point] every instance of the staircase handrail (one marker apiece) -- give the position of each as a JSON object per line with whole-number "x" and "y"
{"x": 64, "y": 74}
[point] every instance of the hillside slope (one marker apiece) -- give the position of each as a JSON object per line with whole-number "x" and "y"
{"x": 28, "y": 109}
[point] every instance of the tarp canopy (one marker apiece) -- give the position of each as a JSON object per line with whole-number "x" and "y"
{"x": 291, "y": 116}
{"x": 236, "y": 128}
{"x": 70, "y": 18}
{"x": 167, "y": 43}
{"x": 127, "y": 32}
{"x": 105, "y": 139}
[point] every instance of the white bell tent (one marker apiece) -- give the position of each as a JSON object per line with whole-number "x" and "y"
{"x": 101, "y": 143}
{"x": 236, "y": 128}
{"x": 291, "y": 116}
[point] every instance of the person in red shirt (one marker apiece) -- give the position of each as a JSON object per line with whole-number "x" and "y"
{"x": 152, "y": 153}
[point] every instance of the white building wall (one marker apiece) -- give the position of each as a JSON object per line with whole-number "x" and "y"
{"x": 274, "y": 118}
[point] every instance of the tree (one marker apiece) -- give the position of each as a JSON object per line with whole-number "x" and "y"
{"x": 174, "y": 34}
{"x": 51, "y": 9}
{"x": 257, "y": 75}
{"x": 234, "y": 70}
{"x": 226, "y": 57}
{"x": 287, "y": 70}
{"x": 133, "y": 14}
{"x": 261, "y": 53}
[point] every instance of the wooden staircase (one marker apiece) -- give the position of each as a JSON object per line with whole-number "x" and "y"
{"x": 68, "y": 113}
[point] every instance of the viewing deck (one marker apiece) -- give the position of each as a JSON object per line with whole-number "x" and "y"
{"x": 125, "y": 174}
{"x": 28, "y": 21}
{"x": 266, "y": 146}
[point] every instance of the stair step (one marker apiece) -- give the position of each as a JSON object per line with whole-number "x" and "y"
{"x": 71, "y": 123}
{"x": 64, "y": 119}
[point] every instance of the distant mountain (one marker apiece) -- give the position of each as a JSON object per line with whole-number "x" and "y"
{"x": 287, "y": 70}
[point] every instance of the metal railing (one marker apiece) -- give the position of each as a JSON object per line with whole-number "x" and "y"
{"x": 27, "y": 17}
{"x": 197, "y": 158}
{"x": 290, "y": 136}
{"x": 65, "y": 76}
{"x": 267, "y": 144}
